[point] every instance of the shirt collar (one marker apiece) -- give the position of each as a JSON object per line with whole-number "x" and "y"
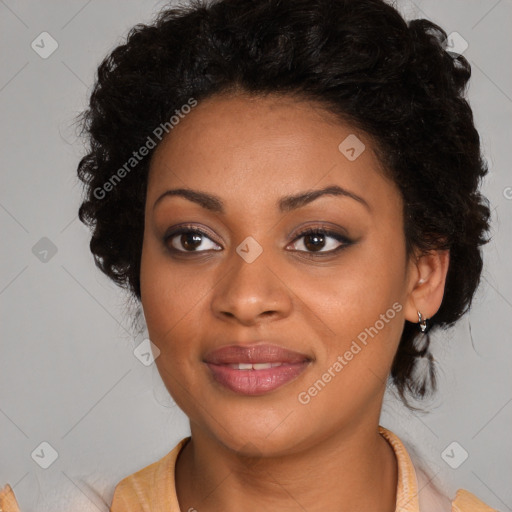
{"x": 407, "y": 486}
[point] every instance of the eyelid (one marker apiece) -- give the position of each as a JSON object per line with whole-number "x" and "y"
{"x": 186, "y": 228}
{"x": 323, "y": 228}
{"x": 319, "y": 225}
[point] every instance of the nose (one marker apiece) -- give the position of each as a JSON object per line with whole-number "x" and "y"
{"x": 251, "y": 293}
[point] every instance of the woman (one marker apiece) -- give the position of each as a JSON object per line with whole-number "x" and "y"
{"x": 291, "y": 191}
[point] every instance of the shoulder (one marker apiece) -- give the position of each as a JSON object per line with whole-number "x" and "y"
{"x": 149, "y": 486}
{"x": 467, "y": 502}
{"x": 8, "y": 500}
{"x": 433, "y": 499}
{"x": 416, "y": 487}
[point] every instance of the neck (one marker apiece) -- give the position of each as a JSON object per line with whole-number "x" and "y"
{"x": 355, "y": 469}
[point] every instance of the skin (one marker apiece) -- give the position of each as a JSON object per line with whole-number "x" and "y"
{"x": 271, "y": 452}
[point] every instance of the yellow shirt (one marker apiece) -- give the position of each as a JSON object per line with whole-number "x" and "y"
{"x": 152, "y": 489}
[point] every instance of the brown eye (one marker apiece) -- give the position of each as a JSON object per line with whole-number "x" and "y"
{"x": 189, "y": 240}
{"x": 316, "y": 240}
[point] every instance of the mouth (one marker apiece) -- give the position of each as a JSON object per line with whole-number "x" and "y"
{"x": 255, "y": 369}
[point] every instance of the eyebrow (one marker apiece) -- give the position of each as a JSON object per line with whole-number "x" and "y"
{"x": 285, "y": 204}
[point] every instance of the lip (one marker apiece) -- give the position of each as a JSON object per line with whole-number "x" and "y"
{"x": 286, "y": 366}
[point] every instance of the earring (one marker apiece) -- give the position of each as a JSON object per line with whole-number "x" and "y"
{"x": 422, "y": 321}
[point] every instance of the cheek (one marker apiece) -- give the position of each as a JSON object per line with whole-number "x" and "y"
{"x": 367, "y": 282}
{"x": 169, "y": 295}
{"x": 353, "y": 363}
{"x": 170, "y": 299}
{"x": 361, "y": 301}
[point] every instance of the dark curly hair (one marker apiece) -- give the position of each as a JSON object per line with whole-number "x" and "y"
{"x": 360, "y": 60}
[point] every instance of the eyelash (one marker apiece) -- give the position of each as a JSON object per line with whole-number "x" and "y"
{"x": 322, "y": 231}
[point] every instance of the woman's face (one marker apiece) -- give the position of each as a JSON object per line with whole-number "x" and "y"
{"x": 319, "y": 315}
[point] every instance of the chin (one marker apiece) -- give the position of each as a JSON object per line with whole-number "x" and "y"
{"x": 269, "y": 433}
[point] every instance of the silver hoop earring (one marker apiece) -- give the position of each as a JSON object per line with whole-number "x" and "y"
{"x": 422, "y": 321}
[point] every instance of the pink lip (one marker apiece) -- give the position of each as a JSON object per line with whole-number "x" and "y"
{"x": 251, "y": 381}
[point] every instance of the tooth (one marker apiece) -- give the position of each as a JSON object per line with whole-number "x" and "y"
{"x": 244, "y": 366}
{"x": 262, "y": 366}
{"x": 276, "y": 364}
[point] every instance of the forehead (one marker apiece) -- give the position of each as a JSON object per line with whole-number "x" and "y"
{"x": 247, "y": 148}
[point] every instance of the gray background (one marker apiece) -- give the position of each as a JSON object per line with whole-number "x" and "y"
{"x": 68, "y": 375}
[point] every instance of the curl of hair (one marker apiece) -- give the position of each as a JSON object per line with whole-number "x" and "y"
{"x": 360, "y": 60}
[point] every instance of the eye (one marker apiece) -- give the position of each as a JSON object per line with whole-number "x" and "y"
{"x": 317, "y": 241}
{"x": 186, "y": 239}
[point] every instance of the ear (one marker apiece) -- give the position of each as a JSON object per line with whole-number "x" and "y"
{"x": 426, "y": 284}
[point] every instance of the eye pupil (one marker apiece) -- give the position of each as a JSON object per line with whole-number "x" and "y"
{"x": 191, "y": 240}
{"x": 317, "y": 241}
